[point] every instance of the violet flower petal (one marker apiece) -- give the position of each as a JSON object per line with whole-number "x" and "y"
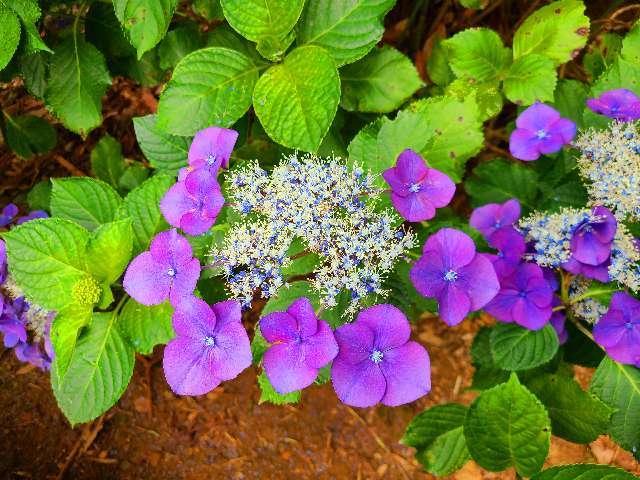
{"x": 407, "y": 372}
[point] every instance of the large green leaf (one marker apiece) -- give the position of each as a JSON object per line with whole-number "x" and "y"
{"x": 107, "y": 162}
{"x": 517, "y": 348}
{"x": 177, "y": 44}
{"x": 10, "y": 34}
{"x": 437, "y": 434}
{"x": 98, "y": 372}
{"x": 146, "y": 21}
{"x": 47, "y": 257}
{"x": 558, "y": 30}
{"x": 145, "y": 327}
{"x": 380, "y": 82}
{"x": 584, "y": 472}
{"x": 29, "y": 13}
{"x": 631, "y": 46}
{"x": 87, "y": 201}
{"x": 297, "y": 99}
{"x": 478, "y": 54}
{"x": 78, "y": 78}
{"x": 33, "y": 69}
{"x": 347, "y": 29}
{"x": 618, "y": 386}
{"x": 570, "y": 97}
{"x": 164, "y": 151}
{"x": 109, "y": 250}
{"x": 27, "y": 135}
{"x": 531, "y": 78}
{"x": 487, "y": 374}
{"x": 508, "y": 426}
{"x": 211, "y": 86}
{"x": 65, "y": 329}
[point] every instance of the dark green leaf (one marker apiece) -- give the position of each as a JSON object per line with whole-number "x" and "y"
{"x": 27, "y": 135}
{"x": 107, "y": 162}
{"x": 517, "y": 348}
{"x": 583, "y": 472}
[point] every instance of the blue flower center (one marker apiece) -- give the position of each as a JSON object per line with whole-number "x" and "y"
{"x": 171, "y": 272}
{"x": 376, "y": 356}
{"x": 498, "y": 224}
{"x": 211, "y": 159}
{"x": 522, "y": 294}
{"x": 415, "y": 187}
{"x": 542, "y": 134}
{"x": 628, "y": 325}
{"x": 451, "y": 276}
{"x": 209, "y": 341}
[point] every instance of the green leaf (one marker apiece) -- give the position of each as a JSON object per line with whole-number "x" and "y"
{"x": 84, "y": 200}
{"x": 583, "y": 472}
{"x": 631, "y": 46}
{"x": 364, "y": 146}
{"x": 142, "y": 205}
{"x": 146, "y": 21}
{"x": 348, "y": 30}
{"x": 575, "y": 415}
{"x": 558, "y": 30}
{"x": 531, "y": 78}
{"x": 269, "y": 395}
{"x": 618, "y": 386}
{"x": 10, "y": 34}
{"x": 508, "y": 426}
{"x": 487, "y": 374}
{"x": 109, "y": 250}
{"x": 297, "y": 99}
{"x": 164, "y": 152}
{"x": 438, "y": 67}
{"x": 103, "y": 30}
{"x": 107, "y": 162}
{"x": 47, "y": 257}
{"x": 478, "y": 54}
{"x": 487, "y": 95}
{"x": 570, "y": 98}
{"x": 211, "y": 86}
{"x": 78, "y": 78}
{"x": 580, "y": 349}
{"x": 29, "y": 13}
{"x": 404, "y": 295}
{"x": 33, "y": 69}
{"x": 260, "y": 19}
{"x": 209, "y": 9}
{"x": 225, "y": 37}
{"x": 145, "y": 327}
{"x": 65, "y": 329}
{"x": 380, "y": 82}
{"x": 134, "y": 175}
{"x": 499, "y": 180}
{"x": 177, "y": 44}
{"x": 517, "y": 348}
{"x": 39, "y": 197}
{"x": 27, "y": 135}
{"x": 602, "y": 52}
{"x": 98, "y": 373}
{"x": 437, "y": 434}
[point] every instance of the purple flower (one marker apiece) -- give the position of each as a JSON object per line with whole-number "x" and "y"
{"x": 193, "y": 204}
{"x": 540, "y": 130}
{"x": 557, "y": 321}
{"x": 618, "y": 330}
{"x": 451, "y": 271}
{"x": 525, "y": 298}
{"x": 33, "y": 354}
{"x": 166, "y": 270}
{"x": 301, "y": 345}
{"x": 3, "y": 263}
{"x": 591, "y": 240}
{"x": 511, "y": 246}
{"x": 596, "y": 272}
{"x": 493, "y": 216}
{"x": 32, "y": 216}
{"x": 377, "y": 362}
{"x": 210, "y": 346}
{"x": 8, "y": 214}
{"x": 12, "y": 326}
{"x": 211, "y": 149}
{"x": 620, "y": 104}
{"x": 417, "y": 190}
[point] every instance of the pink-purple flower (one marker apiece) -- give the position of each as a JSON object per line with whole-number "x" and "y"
{"x": 301, "y": 344}
{"x": 620, "y": 104}
{"x": 211, "y": 346}
{"x": 540, "y": 130}
{"x": 525, "y": 298}
{"x": 495, "y": 216}
{"x": 451, "y": 271}
{"x": 377, "y": 363}
{"x": 211, "y": 149}
{"x": 511, "y": 246}
{"x": 166, "y": 271}
{"x": 618, "y": 330}
{"x": 416, "y": 189}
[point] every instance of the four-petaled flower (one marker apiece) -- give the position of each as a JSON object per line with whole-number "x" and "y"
{"x": 540, "y": 130}
{"x": 618, "y": 330}
{"x": 166, "y": 270}
{"x": 591, "y": 240}
{"x": 620, "y": 104}
{"x": 377, "y": 363}
{"x": 301, "y": 345}
{"x": 451, "y": 271}
{"x": 525, "y": 298}
{"x": 210, "y": 346}
{"x": 417, "y": 190}
{"x": 491, "y": 217}
{"x": 211, "y": 149}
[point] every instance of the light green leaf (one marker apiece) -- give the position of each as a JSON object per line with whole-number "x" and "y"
{"x": 618, "y": 386}
{"x": 107, "y": 162}
{"x": 10, "y": 34}
{"x": 87, "y": 201}
{"x": 47, "y": 257}
{"x": 297, "y": 100}
{"x": 78, "y": 78}
{"x": 517, "y": 348}
{"x": 487, "y": 95}
{"x": 211, "y": 86}
{"x": 478, "y": 54}
{"x": 438, "y": 67}
{"x": 146, "y": 21}
{"x": 164, "y": 152}
{"x": 364, "y": 146}
{"x": 348, "y": 29}
{"x": 145, "y": 327}
{"x": 98, "y": 373}
{"x": 29, "y": 13}
{"x": 575, "y": 415}
{"x": 558, "y": 30}
{"x": 65, "y": 328}
{"x": 531, "y": 78}
{"x": 631, "y": 46}
{"x": 27, "y": 135}
{"x": 380, "y": 82}
{"x": 109, "y": 250}
{"x": 142, "y": 206}
{"x": 269, "y": 395}
{"x": 508, "y": 426}
{"x": 584, "y": 472}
